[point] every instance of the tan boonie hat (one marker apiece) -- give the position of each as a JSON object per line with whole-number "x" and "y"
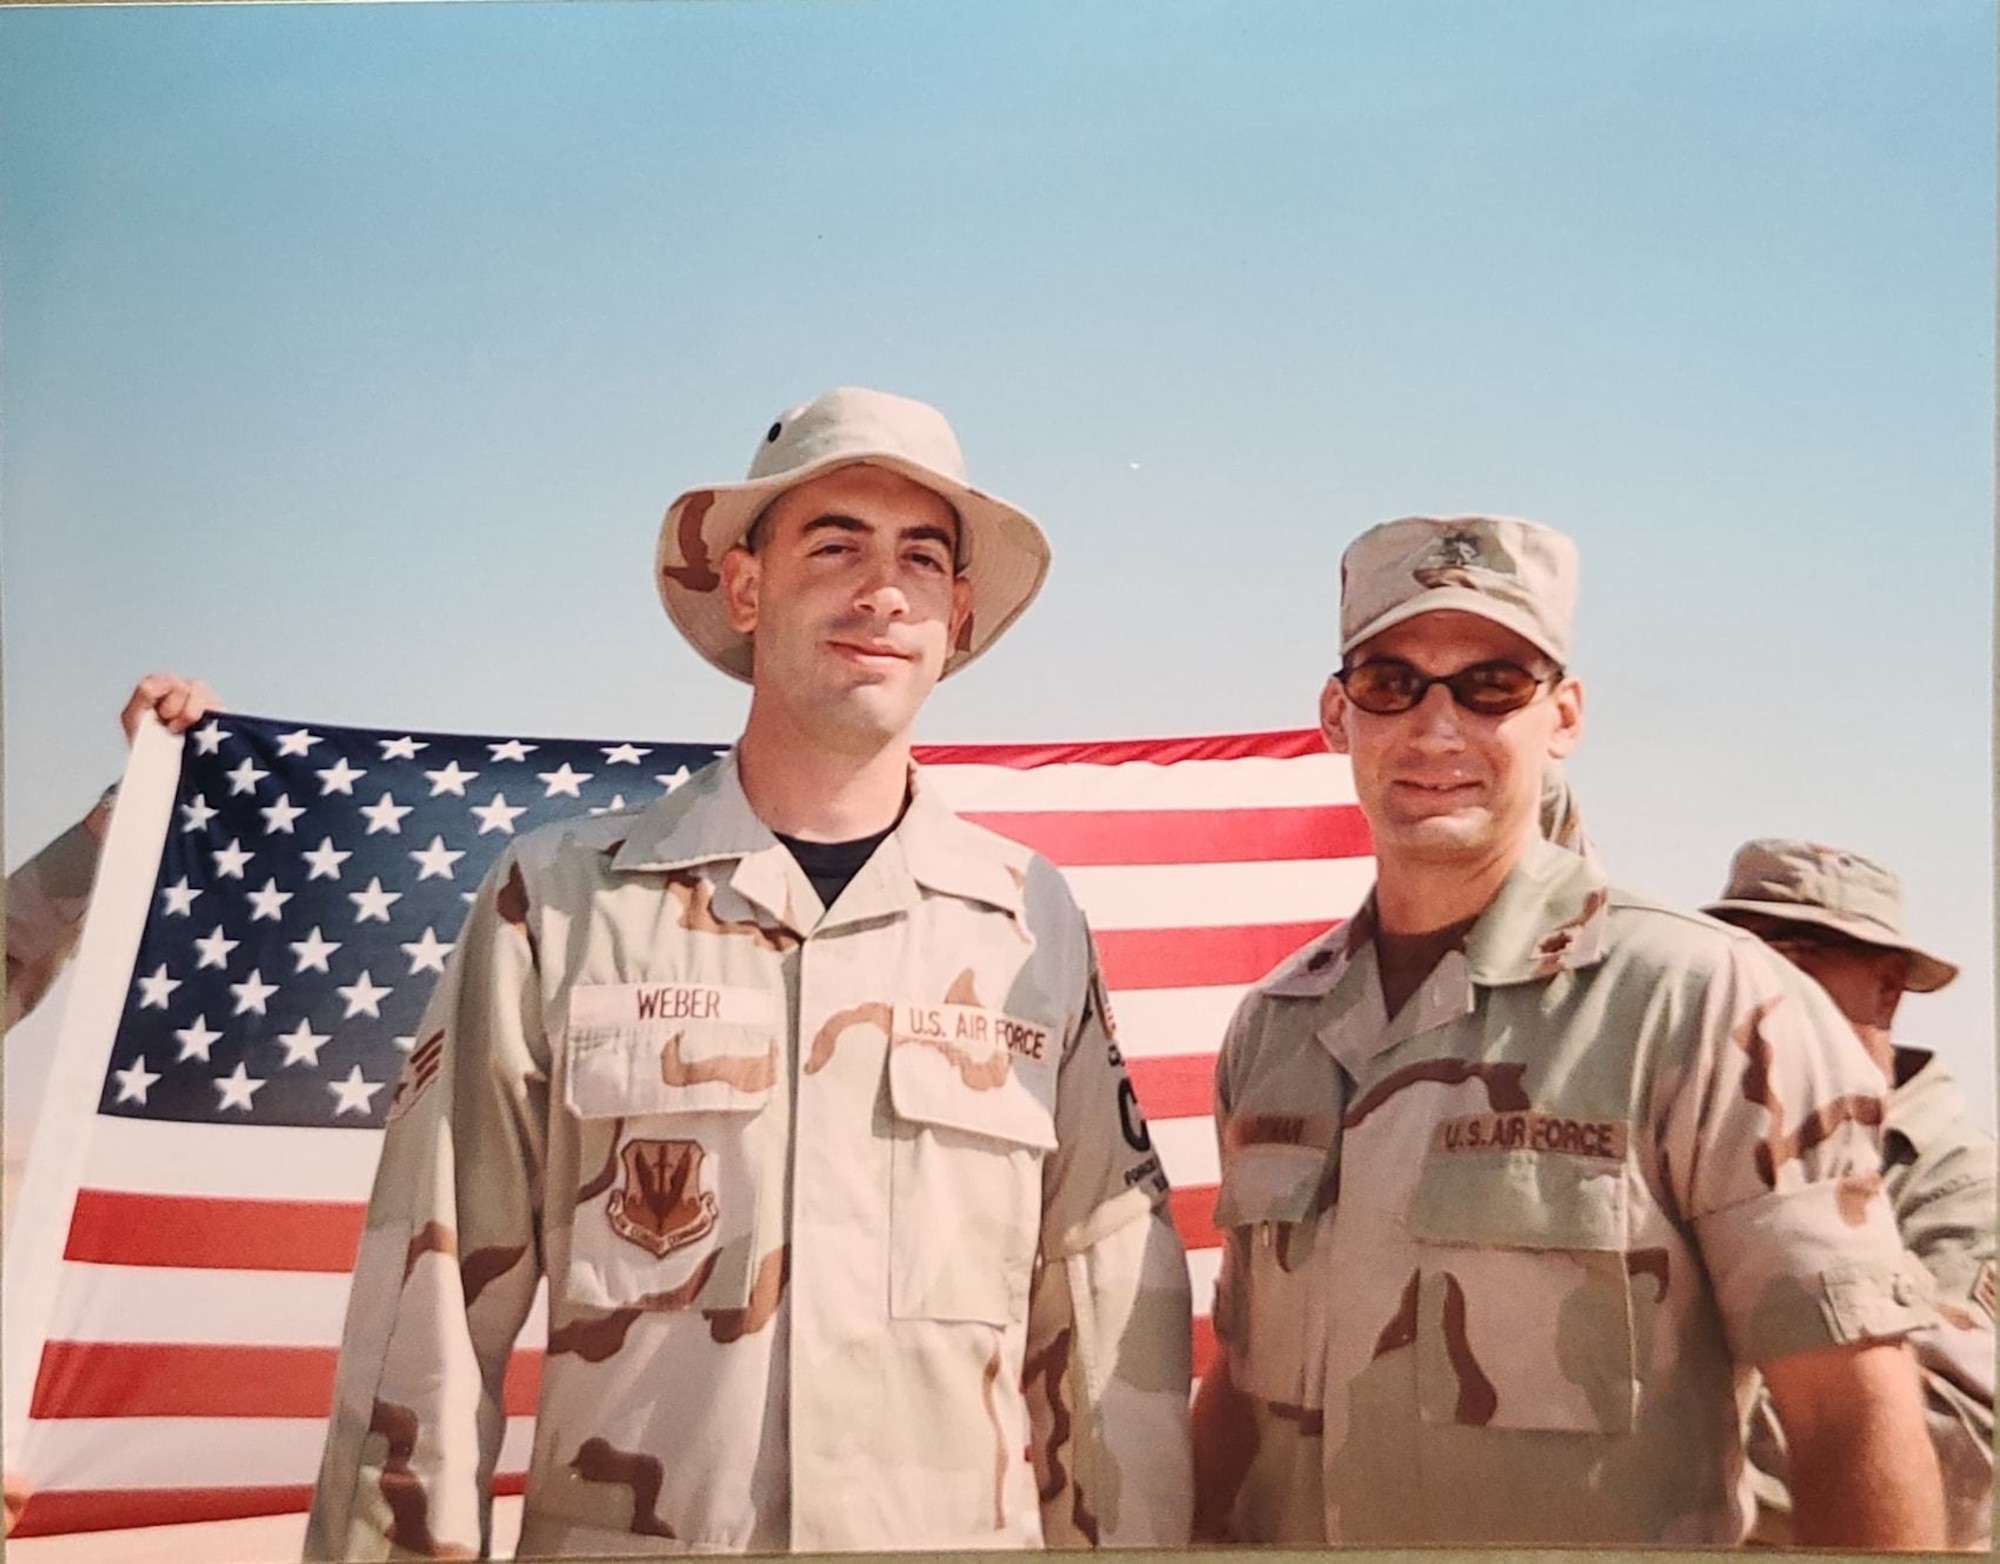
{"x": 1003, "y": 553}
{"x": 1516, "y": 573}
{"x": 1830, "y": 888}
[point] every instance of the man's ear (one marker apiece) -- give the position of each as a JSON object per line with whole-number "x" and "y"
{"x": 1332, "y": 712}
{"x": 1568, "y": 731}
{"x": 740, "y": 572}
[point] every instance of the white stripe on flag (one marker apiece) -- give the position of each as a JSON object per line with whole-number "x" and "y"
{"x": 1156, "y": 1021}
{"x": 162, "y": 1304}
{"x": 231, "y": 1161}
{"x": 183, "y": 1452}
{"x": 1220, "y": 895}
{"x": 1145, "y": 785}
{"x": 1187, "y": 1150}
{"x": 1204, "y": 1265}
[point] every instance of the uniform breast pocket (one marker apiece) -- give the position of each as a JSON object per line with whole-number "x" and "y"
{"x": 965, "y": 1196}
{"x": 1268, "y": 1208}
{"x": 1525, "y": 1294}
{"x": 674, "y": 1120}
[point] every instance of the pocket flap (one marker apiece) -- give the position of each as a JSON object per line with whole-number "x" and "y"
{"x": 993, "y": 1100}
{"x": 1270, "y": 1183}
{"x": 1521, "y": 1200}
{"x": 657, "y": 1067}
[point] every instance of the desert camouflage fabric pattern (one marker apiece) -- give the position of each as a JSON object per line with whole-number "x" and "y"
{"x": 1560, "y": 818}
{"x": 1938, "y": 1169}
{"x": 1496, "y": 1271}
{"x": 1516, "y": 573}
{"x": 46, "y": 900}
{"x": 853, "y": 1234}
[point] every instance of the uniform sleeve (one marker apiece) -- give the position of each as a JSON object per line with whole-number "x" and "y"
{"x": 1955, "y": 1355}
{"x": 1944, "y": 1207}
{"x": 46, "y": 900}
{"x": 1771, "y": 1138}
{"x": 1229, "y": 1308}
{"x": 1944, "y": 1200}
{"x": 1109, "y": 1323}
{"x": 1944, "y": 1203}
{"x": 448, "y": 1261}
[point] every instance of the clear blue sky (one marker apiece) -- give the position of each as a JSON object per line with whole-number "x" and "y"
{"x": 349, "y": 356}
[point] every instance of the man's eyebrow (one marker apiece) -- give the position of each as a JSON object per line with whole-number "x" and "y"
{"x": 927, "y": 533}
{"x": 837, "y": 522}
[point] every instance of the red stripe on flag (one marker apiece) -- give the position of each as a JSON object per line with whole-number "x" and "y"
{"x": 1077, "y": 839}
{"x": 1193, "y": 1213}
{"x": 334, "y": 1253}
{"x": 1204, "y": 1345}
{"x": 135, "y": 1379}
{"x": 1289, "y": 744}
{"x": 112, "y": 1509}
{"x": 108, "y": 1227}
{"x": 1199, "y": 958}
{"x": 1178, "y": 1086}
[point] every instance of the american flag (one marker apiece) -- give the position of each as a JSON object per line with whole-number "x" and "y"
{"x": 276, "y": 901}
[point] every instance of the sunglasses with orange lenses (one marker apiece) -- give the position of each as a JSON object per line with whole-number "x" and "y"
{"x": 1383, "y": 686}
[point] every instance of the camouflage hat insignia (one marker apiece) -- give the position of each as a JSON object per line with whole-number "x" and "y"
{"x": 1518, "y": 574}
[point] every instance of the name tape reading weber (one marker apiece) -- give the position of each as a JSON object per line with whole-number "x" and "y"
{"x": 626, "y": 1004}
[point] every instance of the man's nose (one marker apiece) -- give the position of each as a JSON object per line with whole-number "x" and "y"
{"x": 880, "y": 591}
{"x": 1436, "y": 715}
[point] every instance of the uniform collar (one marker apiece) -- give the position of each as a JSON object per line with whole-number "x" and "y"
{"x": 708, "y": 820}
{"x": 946, "y": 854}
{"x": 1548, "y": 918}
{"x": 1906, "y": 1129}
{"x": 1909, "y": 1063}
{"x": 704, "y": 819}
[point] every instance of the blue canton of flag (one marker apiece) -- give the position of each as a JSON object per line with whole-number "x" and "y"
{"x": 312, "y": 884}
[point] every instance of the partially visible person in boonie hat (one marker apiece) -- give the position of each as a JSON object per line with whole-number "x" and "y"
{"x": 1814, "y": 887}
{"x": 1838, "y": 916}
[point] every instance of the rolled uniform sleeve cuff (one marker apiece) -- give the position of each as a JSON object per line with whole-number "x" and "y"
{"x": 1126, "y": 1206}
{"x": 1809, "y": 1268}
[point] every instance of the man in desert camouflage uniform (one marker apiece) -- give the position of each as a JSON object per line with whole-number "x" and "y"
{"x": 1838, "y": 916}
{"x": 49, "y": 894}
{"x": 802, "y": 1094}
{"x": 1521, "y": 1175}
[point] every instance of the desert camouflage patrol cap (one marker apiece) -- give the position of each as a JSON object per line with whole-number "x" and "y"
{"x": 1003, "y": 553}
{"x": 1519, "y": 574}
{"x": 1829, "y": 888}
